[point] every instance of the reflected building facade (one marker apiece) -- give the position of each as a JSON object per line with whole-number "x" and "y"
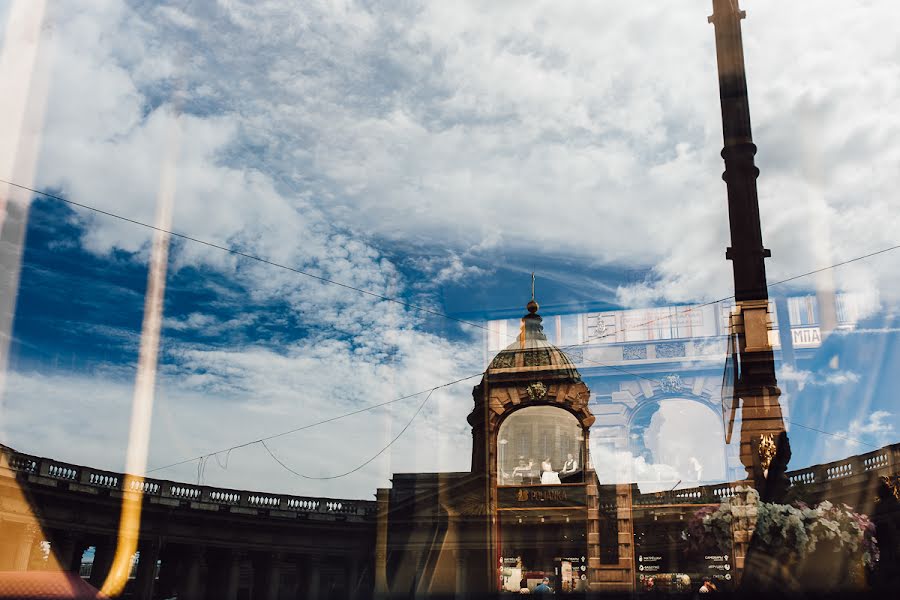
{"x": 539, "y": 501}
{"x": 657, "y": 379}
{"x": 531, "y": 508}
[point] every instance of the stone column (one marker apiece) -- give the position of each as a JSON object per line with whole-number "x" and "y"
{"x": 23, "y": 550}
{"x": 7, "y": 545}
{"x": 309, "y": 586}
{"x": 352, "y": 577}
{"x": 383, "y": 499}
{"x": 146, "y": 569}
{"x": 224, "y": 574}
{"x": 266, "y": 576}
{"x": 461, "y": 584}
{"x": 68, "y": 547}
{"x": 190, "y": 584}
{"x": 12, "y": 537}
{"x": 171, "y": 556}
{"x": 232, "y": 575}
{"x": 104, "y": 550}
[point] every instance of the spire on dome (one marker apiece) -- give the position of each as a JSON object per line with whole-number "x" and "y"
{"x": 532, "y": 355}
{"x": 532, "y": 305}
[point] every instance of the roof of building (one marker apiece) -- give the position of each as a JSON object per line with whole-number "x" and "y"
{"x": 532, "y": 353}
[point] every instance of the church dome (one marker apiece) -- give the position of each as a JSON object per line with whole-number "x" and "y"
{"x": 532, "y": 354}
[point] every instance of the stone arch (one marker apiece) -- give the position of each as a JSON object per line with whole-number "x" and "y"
{"x": 616, "y": 421}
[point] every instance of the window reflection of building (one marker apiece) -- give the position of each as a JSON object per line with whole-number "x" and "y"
{"x": 537, "y": 544}
{"x": 536, "y": 443}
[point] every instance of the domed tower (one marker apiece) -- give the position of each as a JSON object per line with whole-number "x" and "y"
{"x": 530, "y": 429}
{"x": 529, "y": 372}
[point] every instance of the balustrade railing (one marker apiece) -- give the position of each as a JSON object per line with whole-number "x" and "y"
{"x": 103, "y": 480}
{"x": 62, "y": 471}
{"x": 189, "y": 495}
{"x": 223, "y": 497}
{"x": 885, "y": 460}
{"x": 882, "y": 461}
{"x": 263, "y": 500}
{"x": 23, "y": 463}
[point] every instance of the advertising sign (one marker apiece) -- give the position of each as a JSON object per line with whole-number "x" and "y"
{"x": 541, "y": 496}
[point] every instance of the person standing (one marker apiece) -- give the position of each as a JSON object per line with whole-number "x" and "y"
{"x": 543, "y": 587}
{"x": 707, "y": 587}
{"x": 548, "y": 475}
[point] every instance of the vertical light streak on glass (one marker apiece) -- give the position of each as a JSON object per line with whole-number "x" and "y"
{"x": 813, "y": 170}
{"x": 23, "y": 81}
{"x": 145, "y": 381}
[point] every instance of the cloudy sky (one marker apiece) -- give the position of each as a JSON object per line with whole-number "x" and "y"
{"x": 436, "y": 152}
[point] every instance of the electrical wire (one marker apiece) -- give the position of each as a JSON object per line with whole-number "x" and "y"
{"x": 836, "y": 435}
{"x": 236, "y": 252}
{"x": 768, "y": 286}
{"x": 397, "y": 300}
{"x": 416, "y": 306}
{"x": 218, "y": 462}
{"x": 354, "y": 470}
{"x": 205, "y": 457}
{"x": 834, "y": 266}
{"x": 311, "y": 425}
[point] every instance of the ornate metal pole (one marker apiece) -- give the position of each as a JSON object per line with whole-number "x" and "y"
{"x": 762, "y": 423}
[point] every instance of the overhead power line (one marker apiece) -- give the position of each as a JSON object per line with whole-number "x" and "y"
{"x": 310, "y": 425}
{"x": 357, "y": 468}
{"x": 398, "y": 301}
{"x": 412, "y": 306}
{"x": 731, "y": 297}
{"x": 253, "y": 257}
{"x": 834, "y": 266}
{"x": 203, "y": 458}
{"x": 835, "y": 435}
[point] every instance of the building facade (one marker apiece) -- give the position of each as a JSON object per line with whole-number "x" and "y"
{"x": 536, "y": 503}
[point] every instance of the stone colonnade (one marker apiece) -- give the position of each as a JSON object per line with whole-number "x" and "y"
{"x": 189, "y": 570}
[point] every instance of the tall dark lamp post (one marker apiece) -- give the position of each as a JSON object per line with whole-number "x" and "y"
{"x": 756, "y": 390}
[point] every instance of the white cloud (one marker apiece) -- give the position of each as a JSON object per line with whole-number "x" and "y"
{"x": 213, "y": 399}
{"x": 686, "y": 445}
{"x": 446, "y": 269}
{"x": 875, "y": 429}
{"x": 177, "y": 17}
{"x": 309, "y": 132}
{"x": 840, "y": 378}
{"x": 803, "y": 377}
{"x": 590, "y": 130}
{"x": 623, "y": 467}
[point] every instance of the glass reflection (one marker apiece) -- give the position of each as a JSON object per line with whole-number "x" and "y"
{"x": 540, "y": 445}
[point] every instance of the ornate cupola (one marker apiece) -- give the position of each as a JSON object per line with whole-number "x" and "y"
{"x": 530, "y": 440}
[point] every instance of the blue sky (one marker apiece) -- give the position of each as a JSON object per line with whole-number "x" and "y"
{"x": 438, "y": 153}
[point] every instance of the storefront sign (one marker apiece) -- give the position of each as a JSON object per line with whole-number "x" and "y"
{"x": 806, "y": 336}
{"x": 652, "y": 563}
{"x": 541, "y": 496}
{"x": 718, "y": 566}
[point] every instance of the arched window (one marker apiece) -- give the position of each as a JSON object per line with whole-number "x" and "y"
{"x": 540, "y": 445}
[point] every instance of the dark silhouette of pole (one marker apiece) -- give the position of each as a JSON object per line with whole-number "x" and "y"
{"x": 756, "y": 387}
{"x": 764, "y": 447}
{"x": 746, "y": 252}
